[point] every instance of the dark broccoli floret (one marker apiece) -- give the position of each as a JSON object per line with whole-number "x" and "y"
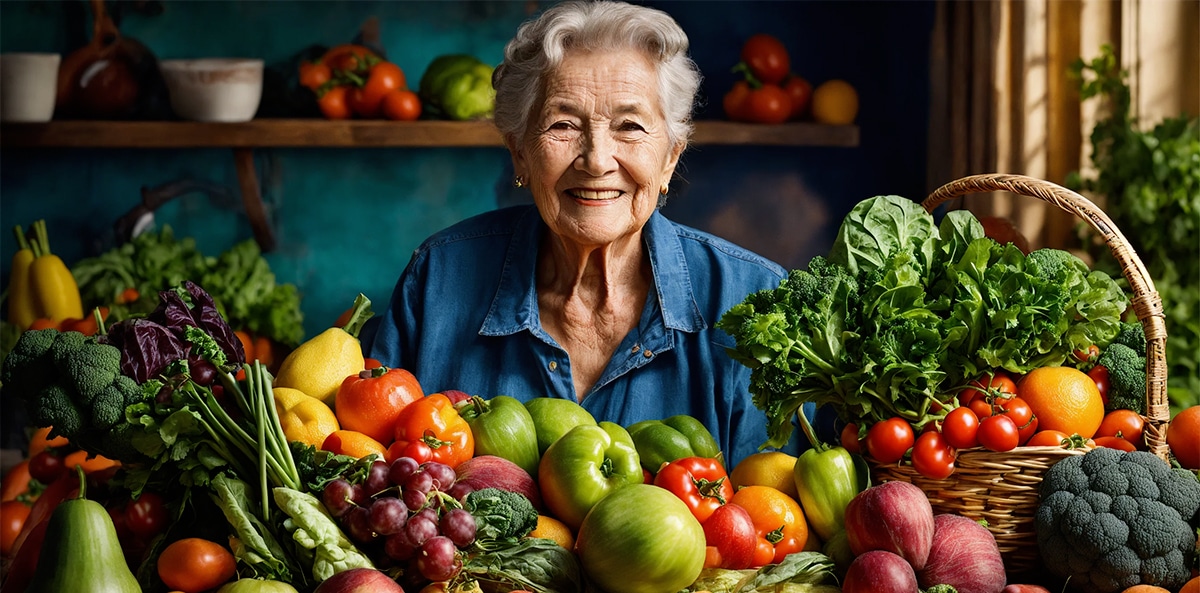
{"x": 92, "y": 368}
{"x": 28, "y": 368}
{"x": 1120, "y": 528}
{"x": 1126, "y": 378}
{"x": 131, "y": 392}
{"x": 64, "y": 344}
{"x": 501, "y": 516}
{"x": 108, "y": 407}
{"x": 54, "y": 406}
{"x": 1132, "y": 335}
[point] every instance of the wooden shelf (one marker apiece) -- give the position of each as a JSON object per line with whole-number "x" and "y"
{"x": 269, "y": 133}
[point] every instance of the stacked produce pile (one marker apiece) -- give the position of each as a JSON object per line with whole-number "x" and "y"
{"x": 210, "y": 472}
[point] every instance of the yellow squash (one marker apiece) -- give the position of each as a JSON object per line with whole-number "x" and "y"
{"x": 22, "y": 306}
{"x": 53, "y": 285}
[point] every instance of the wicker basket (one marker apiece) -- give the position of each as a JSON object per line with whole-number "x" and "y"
{"x": 1002, "y": 488}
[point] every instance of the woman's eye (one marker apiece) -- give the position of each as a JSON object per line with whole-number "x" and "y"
{"x": 561, "y": 125}
{"x": 631, "y": 126}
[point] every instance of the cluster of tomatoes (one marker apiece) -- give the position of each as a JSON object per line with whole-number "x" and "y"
{"x": 769, "y": 92}
{"x": 990, "y": 414}
{"x": 354, "y": 81}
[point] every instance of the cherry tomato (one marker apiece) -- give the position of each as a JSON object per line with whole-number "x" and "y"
{"x": 768, "y": 104}
{"x": 767, "y": 58}
{"x": 764, "y": 552}
{"x": 998, "y": 385}
{"x": 850, "y": 440}
{"x": 418, "y": 450}
{"x": 195, "y": 564}
{"x": 1115, "y": 443}
{"x": 312, "y": 76}
{"x": 998, "y": 433}
{"x": 961, "y": 428}
{"x": 1026, "y": 432}
{"x": 1018, "y": 410}
{"x": 383, "y": 78}
{"x": 1046, "y": 438}
{"x": 1126, "y": 424}
{"x": 13, "y": 514}
{"x": 980, "y": 407}
{"x": 46, "y": 467}
{"x": 799, "y": 91}
{"x": 932, "y": 456}
{"x": 1099, "y": 375}
{"x": 1089, "y": 354}
{"x": 887, "y": 441}
{"x": 147, "y": 516}
{"x": 735, "y": 99}
{"x": 334, "y": 103}
{"x": 401, "y": 105}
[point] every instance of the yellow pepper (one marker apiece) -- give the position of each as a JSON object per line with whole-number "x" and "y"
{"x": 22, "y": 306}
{"x": 303, "y": 417}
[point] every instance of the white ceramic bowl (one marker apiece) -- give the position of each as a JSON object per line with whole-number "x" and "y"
{"x": 28, "y": 86}
{"x": 214, "y": 89}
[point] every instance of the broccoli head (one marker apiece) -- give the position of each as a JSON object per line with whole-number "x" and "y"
{"x": 1109, "y": 520}
{"x": 503, "y": 517}
{"x": 1132, "y": 335}
{"x": 1126, "y": 378}
{"x": 28, "y": 368}
{"x": 93, "y": 367}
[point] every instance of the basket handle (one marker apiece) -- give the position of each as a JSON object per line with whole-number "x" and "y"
{"x": 1147, "y": 304}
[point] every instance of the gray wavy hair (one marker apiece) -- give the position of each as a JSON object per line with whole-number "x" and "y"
{"x": 541, "y": 43}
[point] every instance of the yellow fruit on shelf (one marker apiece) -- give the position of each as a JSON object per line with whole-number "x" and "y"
{"x": 835, "y": 102}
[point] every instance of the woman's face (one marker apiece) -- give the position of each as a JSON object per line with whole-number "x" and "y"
{"x": 597, "y": 151}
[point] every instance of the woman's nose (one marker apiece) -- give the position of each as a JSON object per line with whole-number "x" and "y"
{"x": 597, "y": 154}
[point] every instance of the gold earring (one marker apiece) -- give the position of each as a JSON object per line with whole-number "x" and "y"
{"x": 663, "y": 190}
{"x": 518, "y": 182}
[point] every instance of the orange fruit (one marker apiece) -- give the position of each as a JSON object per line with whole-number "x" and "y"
{"x": 1192, "y": 586}
{"x": 1183, "y": 437}
{"x": 1064, "y": 399}
{"x": 353, "y": 443}
{"x": 835, "y": 102}
{"x": 1146, "y": 589}
{"x": 770, "y": 510}
{"x": 553, "y": 529}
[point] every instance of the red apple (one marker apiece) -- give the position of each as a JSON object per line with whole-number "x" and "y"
{"x": 895, "y": 517}
{"x": 359, "y": 580}
{"x": 455, "y": 395}
{"x": 965, "y": 555}
{"x": 731, "y": 531}
{"x": 491, "y": 471}
{"x": 878, "y": 571}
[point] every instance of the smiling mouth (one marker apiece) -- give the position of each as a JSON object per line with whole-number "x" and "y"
{"x": 595, "y": 195}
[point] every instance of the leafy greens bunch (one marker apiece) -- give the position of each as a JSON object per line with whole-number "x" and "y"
{"x": 903, "y": 313}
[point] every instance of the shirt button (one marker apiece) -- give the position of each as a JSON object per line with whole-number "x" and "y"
{"x": 553, "y": 366}
{"x": 647, "y": 353}
{"x": 635, "y": 349}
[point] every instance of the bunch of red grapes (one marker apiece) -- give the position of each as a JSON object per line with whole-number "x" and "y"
{"x": 413, "y": 509}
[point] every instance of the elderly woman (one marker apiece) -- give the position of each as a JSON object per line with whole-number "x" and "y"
{"x": 591, "y": 294}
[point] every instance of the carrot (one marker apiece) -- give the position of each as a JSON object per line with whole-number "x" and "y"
{"x": 93, "y": 464}
{"x": 40, "y": 441}
{"x": 15, "y": 482}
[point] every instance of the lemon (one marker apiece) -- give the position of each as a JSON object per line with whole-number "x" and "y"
{"x": 835, "y": 102}
{"x": 766, "y": 468}
{"x": 303, "y": 417}
{"x": 318, "y": 367}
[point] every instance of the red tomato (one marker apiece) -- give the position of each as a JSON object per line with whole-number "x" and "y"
{"x": 961, "y": 428}
{"x": 334, "y": 103}
{"x": 312, "y": 76}
{"x": 799, "y": 91}
{"x": 194, "y": 564}
{"x": 768, "y": 104}
{"x": 147, "y": 516}
{"x": 850, "y": 440}
{"x": 401, "y": 105}
{"x": 998, "y": 385}
{"x": 1024, "y": 433}
{"x": 46, "y": 467}
{"x": 767, "y": 58}
{"x": 383, "y": 78}
{"x": 1126, "y": 424}
{"x": 998, "y": 433}
{"x": 1099, "y": 375}
{"x": 1115, "y": 443}
{"x": 700, "y": 482}
{"x": 13, "y": 514}
{"x": 1018, "y": 410}
{"x": 764, "y": 552}
{"x": 932, "y": 456}
{"x": 1089, "y": 354}
{"x": 887, "y": 441}
{"x": 1046, "y": 438}
{"x": 980, "y": 407}
{"x": 735, "y": 99}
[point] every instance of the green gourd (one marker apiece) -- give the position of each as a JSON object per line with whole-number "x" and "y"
{"x": 81, "y": 553}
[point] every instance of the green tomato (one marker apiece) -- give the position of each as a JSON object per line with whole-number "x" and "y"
{"x": 584, "y": 466}
{"x": 664, "y": 441}
{"x": 502, "y": 427}
{"x": 256, "y": 586}
{"x": 553, "y": 417}
{"x": 641, "y": 539}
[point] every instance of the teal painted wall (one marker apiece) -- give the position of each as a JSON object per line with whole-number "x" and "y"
{"x": 347, "y": 219}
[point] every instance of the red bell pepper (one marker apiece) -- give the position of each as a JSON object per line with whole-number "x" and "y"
{"x": 700, "y": 482}
{"x": 432, "y": 421}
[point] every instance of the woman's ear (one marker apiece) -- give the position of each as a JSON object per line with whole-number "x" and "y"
{"x": 673, "y": 161}
{"x": 517, "y": 152}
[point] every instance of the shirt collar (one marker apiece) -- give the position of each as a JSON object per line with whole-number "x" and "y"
{"x": 515, "y": 308}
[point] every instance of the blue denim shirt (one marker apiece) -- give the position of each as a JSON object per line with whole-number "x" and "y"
{"x": 464, "y": 315}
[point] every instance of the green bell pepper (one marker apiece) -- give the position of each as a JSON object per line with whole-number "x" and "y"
{"x": 662, "y": 441}
{"x": 826, "y": 479}
{"x": 553, "y": 417}
{"x": 458, "y": 87}
{"x": 502, "y": 427}
{"x": 585, "y": 465}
